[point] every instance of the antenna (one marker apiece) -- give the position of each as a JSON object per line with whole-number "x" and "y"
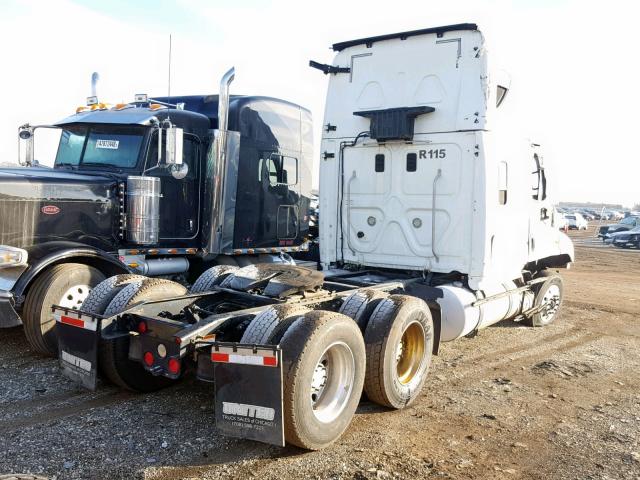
{"x": 169, "y": 81}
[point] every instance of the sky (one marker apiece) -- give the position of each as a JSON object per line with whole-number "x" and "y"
{"x": 574, "y": 65}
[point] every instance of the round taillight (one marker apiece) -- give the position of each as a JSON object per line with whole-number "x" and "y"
{"x": 142, "y": 327}
{"x": 148, "y": 358}
{"x": 174, "y": 366}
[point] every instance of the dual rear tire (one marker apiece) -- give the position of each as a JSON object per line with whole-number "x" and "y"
{"x": 328, "y": 362}
{"x": 112, "y": 296}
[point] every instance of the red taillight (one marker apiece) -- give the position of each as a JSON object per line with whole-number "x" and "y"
{"x": 142, "y": 327}
{"x": 174, "y": 366}
{"x": 148, "y": 358}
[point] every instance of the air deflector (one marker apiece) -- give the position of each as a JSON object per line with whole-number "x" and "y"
{"x": 393, "y": 123}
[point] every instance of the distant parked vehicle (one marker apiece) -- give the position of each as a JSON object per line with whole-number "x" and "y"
{"x": 560, "y": 220}
{"x": 625, "y": 224}
{"x": 626, "y": 238}
{"x": 576, "y": 221}
{"x": 587, "y": 215}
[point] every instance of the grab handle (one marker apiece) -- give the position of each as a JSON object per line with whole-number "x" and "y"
{"x": 433, "y": 216}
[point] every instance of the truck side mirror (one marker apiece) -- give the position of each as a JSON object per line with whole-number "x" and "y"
{"x": 25, "y": 135}
{"x": 174, "y": 144}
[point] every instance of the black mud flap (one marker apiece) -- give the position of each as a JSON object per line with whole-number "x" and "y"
{"x": 78, "y": 336}
{"x": 248, "y": 391}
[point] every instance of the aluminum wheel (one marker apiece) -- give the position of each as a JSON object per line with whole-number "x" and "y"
{"x": 75, "y": 296}
{"x": 550, "y": 303}
{"x": 332, "y": 382}
{"x": 410, "y": 353}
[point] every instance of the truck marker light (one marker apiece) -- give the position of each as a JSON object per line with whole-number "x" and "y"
{"x": 148, "y": 358}
{"x": 220, "y": 357}
{"x": 142, "y": 327}
{"x": 76, "y": 322}
{"x": 270, "y": 361}
{"x": 174, "y": 366}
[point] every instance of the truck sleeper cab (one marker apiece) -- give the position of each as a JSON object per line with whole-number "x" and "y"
{"x": 432, "y": 228}
{"x": 117, "y": 200}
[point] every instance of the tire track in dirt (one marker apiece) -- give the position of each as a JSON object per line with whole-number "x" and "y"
{"x": 526, "y": 358}
{"x": 43, "y": 401}
{"x": 63, "y": 412}
{"x": 522, "y": 347}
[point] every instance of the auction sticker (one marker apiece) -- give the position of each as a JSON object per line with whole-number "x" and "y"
{"x": 109, "y": 144}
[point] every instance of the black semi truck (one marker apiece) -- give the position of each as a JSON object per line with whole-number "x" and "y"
{"x": 165, "y": 187}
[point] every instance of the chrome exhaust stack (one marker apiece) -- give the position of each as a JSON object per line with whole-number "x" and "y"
{"x": 220, "y": 168}
{"x": 223, "y": 99}
{"x": 93, "y": 99}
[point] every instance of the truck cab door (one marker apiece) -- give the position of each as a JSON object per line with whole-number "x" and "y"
{"x": 279, "y": 175}
{"x": 541, "y": 216}
{"x": 180, "y": 201}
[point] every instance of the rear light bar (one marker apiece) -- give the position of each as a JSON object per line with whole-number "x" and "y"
{"x": 245, "y": 355}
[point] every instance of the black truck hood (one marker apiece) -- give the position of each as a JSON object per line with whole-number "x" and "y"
{"x": 43, "y": 204}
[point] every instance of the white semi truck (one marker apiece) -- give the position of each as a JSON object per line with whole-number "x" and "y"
{"x": 432, "y": 227}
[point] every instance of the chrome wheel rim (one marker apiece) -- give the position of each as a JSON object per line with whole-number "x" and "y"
{"x": 409, "y": 354}
{"x": 74, "y": 296}
{"x": 332, "y": 382}
{"x": 550, "y": 303}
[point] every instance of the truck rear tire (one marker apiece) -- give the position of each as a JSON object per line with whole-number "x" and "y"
{"x": 399, "y": 343}
{"x": 66, "y": 284}
{"x": 264, "y": 324}
{"x": 99, "y": 298}
{"x": 323, "y": 373}
{"x": 549, "y": 293}
{"x": 360, "y": 305}
{"x": 212, "y": 277}
{"x": 114, "y": 353}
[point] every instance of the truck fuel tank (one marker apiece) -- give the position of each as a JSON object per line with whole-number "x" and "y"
{"x": 143, "y": 209}
{"x": 462, "y": 311}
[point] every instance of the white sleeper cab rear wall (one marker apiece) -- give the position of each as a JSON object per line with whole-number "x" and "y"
{"x": 423, "y": 183}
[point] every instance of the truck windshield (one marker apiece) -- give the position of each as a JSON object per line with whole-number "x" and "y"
{"x": 109, "y": 145}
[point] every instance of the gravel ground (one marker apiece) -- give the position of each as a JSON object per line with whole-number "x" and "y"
{"x": 514, "y": 402}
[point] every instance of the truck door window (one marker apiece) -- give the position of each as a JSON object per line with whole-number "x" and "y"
{"x": 502, "y": 183}
{"x": 282, "y": 169}
{"x": 190, "y": 154}
{"x": 500, "y": 94}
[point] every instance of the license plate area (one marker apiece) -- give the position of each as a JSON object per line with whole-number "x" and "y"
{"x": 78, "y": 337}
{"x": 248, "y": 391}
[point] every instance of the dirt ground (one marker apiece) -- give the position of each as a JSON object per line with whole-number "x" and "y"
{"x": 562, "y": 402}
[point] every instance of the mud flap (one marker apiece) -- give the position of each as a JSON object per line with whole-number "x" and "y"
{"x": 248, "y": 391}
{"x": 78, "y": 337}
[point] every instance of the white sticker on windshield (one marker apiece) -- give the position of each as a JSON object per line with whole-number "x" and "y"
{"x": 111, "y": 144}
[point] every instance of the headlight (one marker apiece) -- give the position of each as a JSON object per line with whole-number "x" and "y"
{"x": 12, "y": 256}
